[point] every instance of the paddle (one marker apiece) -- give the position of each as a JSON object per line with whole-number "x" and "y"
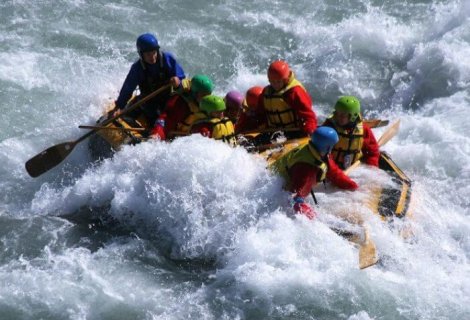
{"x": 367, "y": 252}
{"x": 269, "y": 130}
{"x": 51, "y": 157}
{"x": 376, "y": 123}
{"x": 389, "y": 133}
{"x": 367, "y": 249}
{"x": 112, "y": 128}
{"x": 372, "y": 123}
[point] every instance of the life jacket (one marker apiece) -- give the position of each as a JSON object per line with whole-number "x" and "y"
{"x": 279, "y": 113}
{"x": 152, "y": 82}
{"x": 222, "y": 129}
{"x": 307, "y": 154}
{"x": 194, "y": 113}
{"x": 349, "y": 147}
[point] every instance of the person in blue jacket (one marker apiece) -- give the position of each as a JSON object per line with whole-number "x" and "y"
{"x": 154, "y": 69}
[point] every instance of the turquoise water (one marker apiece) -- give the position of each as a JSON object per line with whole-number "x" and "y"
{"x": 195, "y": 229}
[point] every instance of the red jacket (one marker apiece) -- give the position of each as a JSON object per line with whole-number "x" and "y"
{"x": 370, "y": 148}
{"x": 246, "y": 121}
{"x": 299, "y": 100}
{"x": 303, "y": 177}
{"x": 175, "y": 112}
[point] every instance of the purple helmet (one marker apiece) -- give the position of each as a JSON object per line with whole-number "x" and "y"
{"x": 234, "y": 99}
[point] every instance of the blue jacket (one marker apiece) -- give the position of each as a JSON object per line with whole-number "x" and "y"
{"x": 149, "y": 77}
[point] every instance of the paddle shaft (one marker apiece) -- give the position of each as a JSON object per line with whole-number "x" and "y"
{"x": 111, "y": 128}
{"x": 373, "y": 123}
{"x": 389, "y": 133}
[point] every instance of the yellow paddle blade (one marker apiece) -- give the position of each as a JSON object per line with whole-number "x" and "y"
{"x": 367, "y": 252}
{"x": 367, "y": 255}
{"x": 389, "y": 133}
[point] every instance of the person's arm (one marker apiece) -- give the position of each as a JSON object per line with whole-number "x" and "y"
{"x": 129, "y": 85}
{"x": 299, "y": 100}
{"x": 303, "y": 177}
{"x": 175, "y": 70}
{"x": 370, "y": 148}
{"x": 338, "y": 178}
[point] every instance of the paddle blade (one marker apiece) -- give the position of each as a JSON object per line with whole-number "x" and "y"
{"x": 389, "y": 133}
{"x": 367, "y": 252}
{"x": 367, "y": 255}
{"x": 48, "y": 159}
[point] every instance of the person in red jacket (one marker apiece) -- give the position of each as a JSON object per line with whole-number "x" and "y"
{"x": 305, "y": 166}
{"x": 247, "y": 119}
{"x": 356, "y": 139}
{"x": 182, "y": 109}
{"x": 285, "y": 102}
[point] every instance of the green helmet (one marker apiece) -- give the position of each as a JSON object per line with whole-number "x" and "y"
{"x": 201, "y": 83}
{"x": 212, "y": 103}
{"x": 349, "y": 104}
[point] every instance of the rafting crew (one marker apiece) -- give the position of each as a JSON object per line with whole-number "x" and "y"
{"x": 214, "y": 124}
{"x": 154, "y": 69}
{"x": 182, "y": 109}
{"x": 305, "y": 166}
{"x": 356, "y": 139}
{"x": 285, "y": 103}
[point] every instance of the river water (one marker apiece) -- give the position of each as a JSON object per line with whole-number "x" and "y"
{"x": 196, "y": 229}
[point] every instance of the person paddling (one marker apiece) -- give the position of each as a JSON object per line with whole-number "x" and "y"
{"x": 305, "y": 166}
{"x": 285, "y": 103}
{"x": 356, "y": 139}
{"x": 154, "y": 69}
{"x": 215, "y": 125}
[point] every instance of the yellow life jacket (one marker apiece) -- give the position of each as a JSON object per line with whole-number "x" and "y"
{"x": 279, "y": 113}
{"x": 195, "y": 114}
{"x": 349, "y": 147}
{"x": 222, "y": 129}
{"x": 307, "y": 154}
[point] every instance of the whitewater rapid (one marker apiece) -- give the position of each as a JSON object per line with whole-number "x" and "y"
{"x": 196, "y": 229}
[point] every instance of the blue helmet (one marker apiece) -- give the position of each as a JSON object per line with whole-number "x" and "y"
{"x": 324, "y": 138}
{"x": 147, "y": 42}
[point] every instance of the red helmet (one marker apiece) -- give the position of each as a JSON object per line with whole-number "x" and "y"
{"x": 278, "y": 70}
{"x": 252, "y": 96}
